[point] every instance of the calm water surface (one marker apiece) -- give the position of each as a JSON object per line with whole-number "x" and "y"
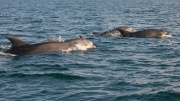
{"x": 119, "y": 69}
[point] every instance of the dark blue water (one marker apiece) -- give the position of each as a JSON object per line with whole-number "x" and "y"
{"x": 123, "y": 69}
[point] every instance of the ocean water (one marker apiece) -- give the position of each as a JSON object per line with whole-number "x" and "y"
{"x": 119, "y": 69}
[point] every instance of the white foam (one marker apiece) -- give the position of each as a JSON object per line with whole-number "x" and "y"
{"x": 61, "y": 39}
{"x": 4, "y": 47}
{"x": 6, "y": 54}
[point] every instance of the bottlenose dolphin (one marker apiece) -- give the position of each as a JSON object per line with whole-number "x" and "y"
{"x": 149, "y": 33}
{"x": 20, "y": 47}
{"x": 116, "y": 32}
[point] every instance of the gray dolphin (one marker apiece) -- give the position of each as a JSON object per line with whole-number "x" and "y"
{"x": 149, "y": 33}
{"x": 116, "y": 32}
{"x": 20, "y": 47}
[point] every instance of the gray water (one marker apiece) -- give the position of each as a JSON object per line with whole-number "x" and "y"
{"x": 119, "y": 69}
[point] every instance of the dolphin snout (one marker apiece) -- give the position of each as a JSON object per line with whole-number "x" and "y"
{"x": 165, "y": 35}
{"x": 93, "y": 46}
{"x": 133, "y": 30}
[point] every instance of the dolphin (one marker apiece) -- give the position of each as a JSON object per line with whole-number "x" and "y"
{"x": 20, "y": 47}
{"x": 149, "y": 33}
{"x": 116, "y": 32}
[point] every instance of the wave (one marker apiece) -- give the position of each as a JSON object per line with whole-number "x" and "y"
{"x": 53, "y": 75}
{"x": 159, "y": 96}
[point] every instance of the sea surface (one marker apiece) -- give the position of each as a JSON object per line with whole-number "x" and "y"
{"x": 119, "y": 69}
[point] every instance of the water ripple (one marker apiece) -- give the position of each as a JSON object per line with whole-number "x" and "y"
{"x": 53, "y": 75}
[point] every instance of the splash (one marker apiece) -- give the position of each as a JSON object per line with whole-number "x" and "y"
{"x": 4, "y": 48}
{"x": 61, "y": 39}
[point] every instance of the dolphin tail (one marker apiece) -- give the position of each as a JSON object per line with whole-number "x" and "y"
{"x": 16, "y": 42}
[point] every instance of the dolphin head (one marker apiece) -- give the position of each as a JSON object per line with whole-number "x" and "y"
{"x": 164, "y": 34}
{"x": 126, "y": 28}
{"x": 84, "y": 45}
{"x": 81, "y": 43}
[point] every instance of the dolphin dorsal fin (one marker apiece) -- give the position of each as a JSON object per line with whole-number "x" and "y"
{"x": 80, "y": 36}
{"x": 16, "y": 42}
